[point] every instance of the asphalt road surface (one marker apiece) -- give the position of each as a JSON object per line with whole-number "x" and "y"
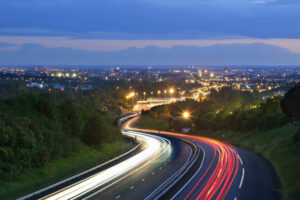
{"x": 223, "y": 172}
{"x": 175, "y": 166}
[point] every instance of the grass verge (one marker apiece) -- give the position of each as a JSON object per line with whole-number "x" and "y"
{"x": 87, "y": 157}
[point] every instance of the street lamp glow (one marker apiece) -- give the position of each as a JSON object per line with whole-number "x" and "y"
{"x": 130, "y": 95}
{"x": 186, "y": 115}
{"x": 171, "y": 90}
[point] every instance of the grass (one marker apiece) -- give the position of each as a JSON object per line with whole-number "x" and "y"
{"x": 277, "y": 146}
{"x": 33, "y": 179}
{"x": 152, "y": 123}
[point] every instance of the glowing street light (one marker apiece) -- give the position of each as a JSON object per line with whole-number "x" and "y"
{"x": 158, "y": 92}
{"x": 130, "y": 95}
{"x": 186, "y": 115}
{"x": 171, "y": 91}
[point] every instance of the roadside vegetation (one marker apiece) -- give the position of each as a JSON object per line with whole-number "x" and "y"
{"x": 34, "y": 178}
{"x": 269, "y": 128}
{"x": 42, "y": 140}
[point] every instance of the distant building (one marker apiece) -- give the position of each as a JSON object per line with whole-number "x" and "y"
{"x": 39, "y": 69}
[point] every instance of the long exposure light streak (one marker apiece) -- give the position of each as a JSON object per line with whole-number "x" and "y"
{"x": 221, "y": 172}
{"x": 152, "y": 146}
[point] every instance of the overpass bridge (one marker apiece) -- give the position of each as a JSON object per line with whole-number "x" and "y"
{"x": 151, "y": 102}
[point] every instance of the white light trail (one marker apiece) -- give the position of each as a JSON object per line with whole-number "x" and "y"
{"x": 152, "y": 146}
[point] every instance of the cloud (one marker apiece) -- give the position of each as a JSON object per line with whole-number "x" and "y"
{"x": 8, "y": 46}
{"x": 230, "y": 54}
{"x": 5, "y": 44}
{"x": 145, "y": 19}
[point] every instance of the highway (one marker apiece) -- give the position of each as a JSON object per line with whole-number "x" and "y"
{"x": 170, "y": 165}
{"x": 146, "y": 173}
{"x": 222, "y": 172}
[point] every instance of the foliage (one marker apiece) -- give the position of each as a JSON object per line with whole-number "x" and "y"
{"x": 290, "y": 105}
{"x": 229, "y": 99}
{"x": 207, "y": 115}
{"x": 86, "y": 157}
{"x": 35, "y": 130}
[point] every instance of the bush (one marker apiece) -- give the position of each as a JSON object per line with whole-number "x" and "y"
{"x": 35, "y": 130}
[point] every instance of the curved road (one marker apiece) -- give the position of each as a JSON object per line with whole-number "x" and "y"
{"x": 152, "y": 181}
{"x": 147, "y": 173}
{"x": 224, "y": 172}
{"x": 176, "y": 166}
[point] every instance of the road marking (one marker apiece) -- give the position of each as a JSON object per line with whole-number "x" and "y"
{"x": 242, "y": 179}
{"x": 194, "y": 174}
{"x": 240, "y": 159}
{"x": 166, "y": 142}
{"x": 143, "y": 179}
{"x": 117, "y": 197}
{"x": 171, "y": 176}
{"x": 131, "y": 187}
{"x": 153, "y": 173}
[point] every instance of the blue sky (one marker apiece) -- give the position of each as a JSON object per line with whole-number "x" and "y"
{"x": 106, "y": 26}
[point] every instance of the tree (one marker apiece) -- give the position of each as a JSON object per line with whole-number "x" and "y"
{"x": 73, "y": 117}
{"x": 290, "y": 105}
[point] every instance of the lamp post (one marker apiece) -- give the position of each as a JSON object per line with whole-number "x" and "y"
{"x": 171, "y": 92}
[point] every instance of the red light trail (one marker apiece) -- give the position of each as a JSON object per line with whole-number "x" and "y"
{"x": 215, "y": 182}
